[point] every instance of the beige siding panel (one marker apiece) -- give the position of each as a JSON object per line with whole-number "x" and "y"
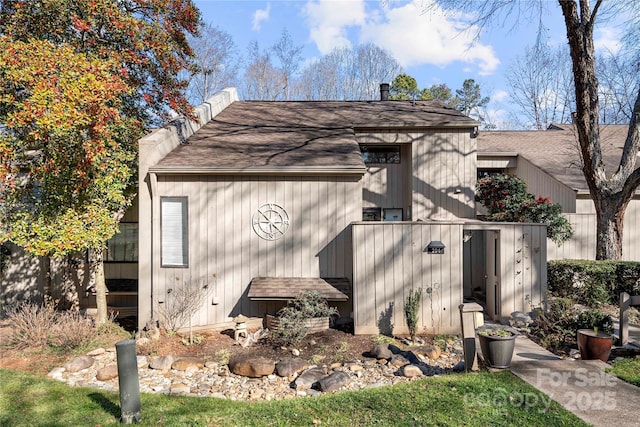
{"x": 542, "y": 184}
{"x": 583, "y": 243}
{"x": 443, "y": 175}
{"x": 225, "y": 252}
{"x": 389, "y": 261}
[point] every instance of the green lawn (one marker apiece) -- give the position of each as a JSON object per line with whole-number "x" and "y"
{"x": 477, "y": 399}
{"x": 627, "y": 370}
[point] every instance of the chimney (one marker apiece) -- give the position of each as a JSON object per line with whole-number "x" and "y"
{"x": 384, "y": 91}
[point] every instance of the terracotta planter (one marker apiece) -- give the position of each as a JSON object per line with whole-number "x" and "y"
{"x": 315, "y": 324}
{"x": 594, "y": 346}
{"x": 497, "y": 351}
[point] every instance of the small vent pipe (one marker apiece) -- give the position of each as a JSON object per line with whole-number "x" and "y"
{"x": 384, "y": 91}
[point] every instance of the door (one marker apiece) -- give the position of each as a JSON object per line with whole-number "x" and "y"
{"x": 492, "y": 274}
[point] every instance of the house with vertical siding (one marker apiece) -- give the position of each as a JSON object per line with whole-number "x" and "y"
{"x": 360, "y": 200}
{"x": 549, "y": 162}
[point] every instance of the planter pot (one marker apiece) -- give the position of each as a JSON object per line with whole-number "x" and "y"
{"x": 315, "y": 324}
{"x": 594, "y": 346}
{"x": 497, "y": 351}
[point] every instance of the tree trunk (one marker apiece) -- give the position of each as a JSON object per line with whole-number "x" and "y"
{"x": 610, "y": 216}
{"x": 97, "y": 268}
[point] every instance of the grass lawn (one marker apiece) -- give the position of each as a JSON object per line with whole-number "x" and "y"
{"x": 478, "y": 399}
{"x": 627, "y": 370}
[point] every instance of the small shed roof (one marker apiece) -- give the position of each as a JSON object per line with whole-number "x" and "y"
{"x": 555, "y": 151}
{"x": 288, "y": 288}
{"x": 270, "y": 136}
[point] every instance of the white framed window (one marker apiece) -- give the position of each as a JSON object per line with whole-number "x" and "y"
{"x": 392, "y": 214}
{"x": 174, "y": 232}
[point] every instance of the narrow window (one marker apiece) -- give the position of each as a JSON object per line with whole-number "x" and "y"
{"x": 174, "y": 232}
{"x": 123, "y": 246}
{"x": 380, "y": 154}
{"x": 371, "y": 214}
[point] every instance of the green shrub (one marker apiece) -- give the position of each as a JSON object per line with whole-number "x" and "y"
{"x": 595, "y": 319}
{"x": 556, "y": 328}
{"x": 291, "y": 329}
{"x": 593, "y": 282}
{"x": 411, "y": 307}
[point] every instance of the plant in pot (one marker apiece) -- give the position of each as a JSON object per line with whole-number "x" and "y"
{"x": 309, "y": 312}
{"x": 594, "y": 335}
{"x": 497, "y": 345}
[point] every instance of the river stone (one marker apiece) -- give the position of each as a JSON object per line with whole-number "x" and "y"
{"x": 290, "y": 366}
{"x": 398, "y": 360}
{"x": 411, "y": 371}
{"x": 253, "y": 367}
{"x": 179, "y": 388}
{"x": 308, "y": 378}
{"x": 97, "y": 352}
{"x": 162, "y": 363}
{"x": 142, "y": 361}
{"x": 79, "y": 363}
{"x": 107, "y": 373}
{"x": 381, "y": 351}
{"x": 185, "y": 363}
{"x": 431, "y": 351}
{"x": 334, "y": 381}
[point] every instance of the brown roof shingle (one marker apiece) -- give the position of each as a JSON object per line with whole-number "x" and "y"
{"x": 257, "y": 134}
{"x": 288, "y": 288}
{"x": 556, "y": 151}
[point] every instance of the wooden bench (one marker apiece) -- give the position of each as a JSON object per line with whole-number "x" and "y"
{"x": 626, "y": 301}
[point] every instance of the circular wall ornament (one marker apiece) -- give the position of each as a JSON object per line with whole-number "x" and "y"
{"x": 270, "y": 221}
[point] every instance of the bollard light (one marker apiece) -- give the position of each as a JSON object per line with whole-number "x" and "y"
{"x": 128, "y": 381}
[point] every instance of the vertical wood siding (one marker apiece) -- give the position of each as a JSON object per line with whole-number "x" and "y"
{"x": 444, "y": 174}
{"x": 583, "y": 243}
{"x": 225, "y": 253}
{"x": 390, "y": 260}
{"x": 541, "y": 184}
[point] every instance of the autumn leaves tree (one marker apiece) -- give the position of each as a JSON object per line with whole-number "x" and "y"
{"x": 80, "y": 82}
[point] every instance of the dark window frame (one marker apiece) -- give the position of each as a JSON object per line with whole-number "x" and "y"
{"x": 380, "y": 154}
{"x": 108, "y": 258}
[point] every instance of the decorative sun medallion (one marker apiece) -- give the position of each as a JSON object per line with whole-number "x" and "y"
{"x": 270, "y": 221}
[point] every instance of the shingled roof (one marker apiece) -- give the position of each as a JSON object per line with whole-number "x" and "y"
{"x": 556, "y": 150}
{"x": 257, "y": 135}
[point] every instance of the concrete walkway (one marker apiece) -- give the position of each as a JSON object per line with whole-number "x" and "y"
{"x": 580, "y": 386}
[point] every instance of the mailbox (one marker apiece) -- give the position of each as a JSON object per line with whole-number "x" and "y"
{"x": 435, "y": 247}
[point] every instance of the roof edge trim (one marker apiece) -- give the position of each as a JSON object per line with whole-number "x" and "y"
{"x": 272, "y": 170}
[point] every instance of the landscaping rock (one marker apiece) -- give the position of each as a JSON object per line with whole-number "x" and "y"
{"x": 107, "y": 373}
{"x": 185, "y": 363}
{"x": 411, "y": 371}
{"x": 79, "y": 363}
{"x": 309, "y": 378}
{"x": 179, "y": 389}
{"x": 334, "y": 381}
{"x": 290, "y": 366}
{"x": 253, "y": 367}
{"x": 162, "y": 363}
{"x": 398, "y": 360}
{"x": 96, "y": 352}
{"x": 430, "y": 351}
{"x": 381, "y": 351}
{"x": 142, "y": 361}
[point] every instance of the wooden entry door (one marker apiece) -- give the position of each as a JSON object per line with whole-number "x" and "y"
{"x": 492, "y": 274}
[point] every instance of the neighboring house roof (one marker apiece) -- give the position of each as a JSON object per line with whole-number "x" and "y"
{"x": 555, "y": 151}
{"x": 300, "y": 134}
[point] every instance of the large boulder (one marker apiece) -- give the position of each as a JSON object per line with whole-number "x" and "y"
{"x": 107, "y": 373}
{"x": 185, "y": 363}
{"x": 381, "y": 351}
{"x": 334, "y": 381}
{"x": 254, "y": 367}
{"x": 289, "y": 366}
{"x": 309, "y": 378}
{"x": 79, "y": 363}
{"x": 162, "y": 363}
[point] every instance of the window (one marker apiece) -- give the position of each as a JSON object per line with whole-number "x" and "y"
{"x": 123, "y": 247}
{"x": 380, "y": 154}
{"x": 371, "y": 214}
{"x": 174, "y": 232}
{"x": 394, "y": 214}
{"x": 483, "y": 173}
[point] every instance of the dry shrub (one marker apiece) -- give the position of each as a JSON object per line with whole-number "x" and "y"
{"x": 33, "y": 324}
{"x": 37, "y": 325}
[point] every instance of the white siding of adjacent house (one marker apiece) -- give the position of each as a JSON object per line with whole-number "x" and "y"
{"x": 225, "y": 253}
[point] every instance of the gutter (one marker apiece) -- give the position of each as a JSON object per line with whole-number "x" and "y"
{"x": 252, "y": 170}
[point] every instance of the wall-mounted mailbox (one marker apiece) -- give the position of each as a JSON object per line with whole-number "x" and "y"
{"x": 435, "y": 247}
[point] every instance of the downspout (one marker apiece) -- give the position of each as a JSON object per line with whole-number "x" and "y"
{"x": 153, "y": 191}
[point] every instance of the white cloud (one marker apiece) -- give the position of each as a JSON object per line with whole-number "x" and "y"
{"x": 330, "y": 20}
{"x": 607, "y": 39}
{"x": 413, "y": 37}
{"x": 259, "y": 16}
{"x": 499, "y": 95}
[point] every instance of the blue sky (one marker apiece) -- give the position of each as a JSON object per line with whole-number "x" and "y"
{"x": 431, "y": 47}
